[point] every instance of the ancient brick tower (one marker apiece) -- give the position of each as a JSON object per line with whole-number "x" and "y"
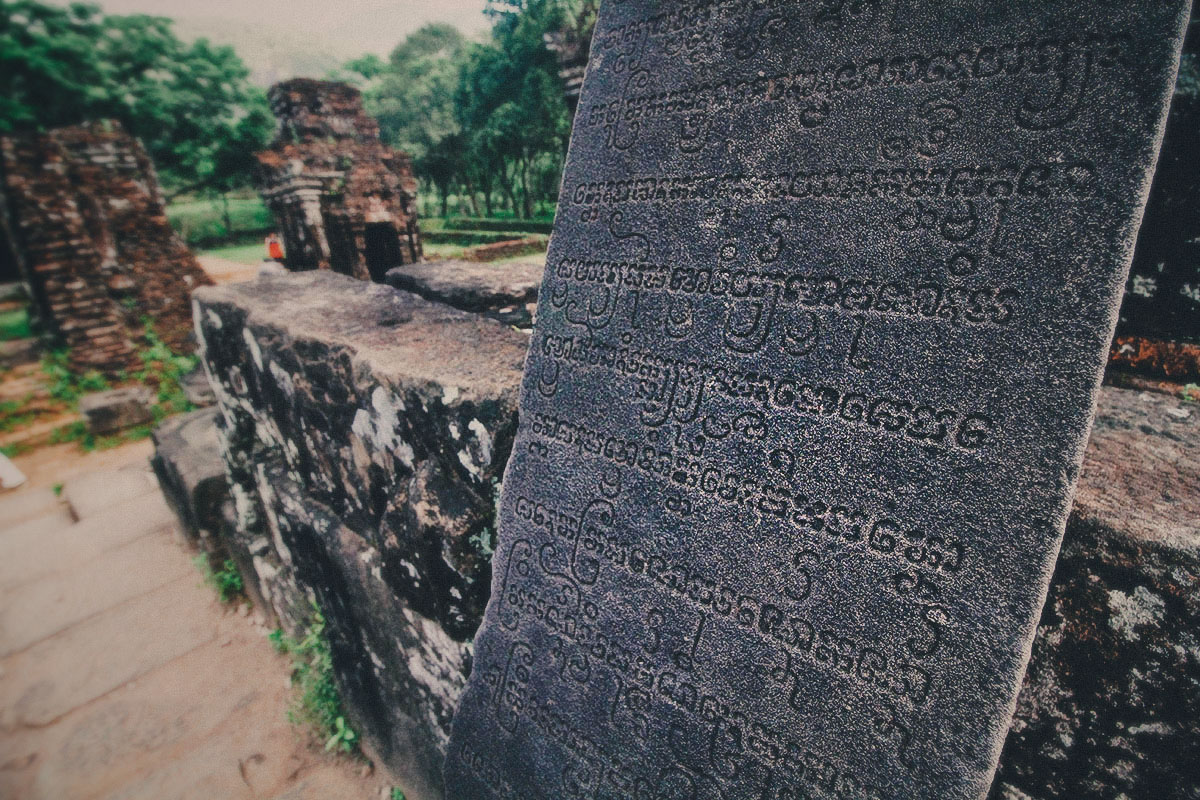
{"x": 82, "y": 214}
{"x": 342, "y": 200}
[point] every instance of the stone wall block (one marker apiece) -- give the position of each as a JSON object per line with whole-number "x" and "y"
{"x": 365, "y": 431}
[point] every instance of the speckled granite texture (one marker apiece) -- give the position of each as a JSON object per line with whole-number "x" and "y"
{"x": 817, "y": 347}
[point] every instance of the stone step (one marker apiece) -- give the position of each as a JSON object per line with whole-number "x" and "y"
{"x": 135, "y": 731}
{"x": 25, "y": 558}
{"x": 33, "y": 612}
{"x": 87, "y": 661}
{"x": 90, "y": 493}
{"x": 28, "y": 504}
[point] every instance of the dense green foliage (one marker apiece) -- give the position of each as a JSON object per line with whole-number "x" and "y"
{"x": 206, "y": 221}
{"x": 190, "y": 104}
{"x": 486, "y": 122}
{"x": 64, "y": 384}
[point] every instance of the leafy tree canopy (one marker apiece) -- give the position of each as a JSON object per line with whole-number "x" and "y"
{"x": 191, "y": 104}
{"x": 479, "y": 118}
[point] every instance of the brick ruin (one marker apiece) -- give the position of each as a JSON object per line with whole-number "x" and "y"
{"x": 571, "y": 43}
{"x": 83, "y": 218}
{"x": 342, "y": 200}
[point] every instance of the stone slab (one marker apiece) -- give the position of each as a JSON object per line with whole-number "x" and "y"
{"x": 116, "y": 409}
{"x": 823, "y": 319}
{"x": 187, "y": 461}
{"x": 24, "y": 558}
{"x": 92, "y": 492}
{"x": 46, "y": 680}
{"x": 20, "y": 507}
{"x": 39, "y": 610}
{"x": 501, "y": 290}
{"x": 365, "y": 431}
{"x": 165, "y": 716}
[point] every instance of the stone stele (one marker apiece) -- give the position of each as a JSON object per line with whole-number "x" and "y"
{"x": 816, "y": 355}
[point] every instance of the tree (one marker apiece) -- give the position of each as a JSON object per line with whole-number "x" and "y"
{"x": 413, "y": 95}
{"x": 478, "y": 117}
{"x": 509, "y": 101}
{"x": 190, "y": 104}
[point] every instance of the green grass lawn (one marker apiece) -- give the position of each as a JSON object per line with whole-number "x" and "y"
{"x": 448, "y": 251}
{"x": 14, "y": 325}
{"x": 200, "y": 219}
{"x": 241, "y": 253}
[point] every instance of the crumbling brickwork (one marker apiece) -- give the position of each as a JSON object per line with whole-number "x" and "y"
{"x": 87, "y": 222}
{"x": 343, "y": 201}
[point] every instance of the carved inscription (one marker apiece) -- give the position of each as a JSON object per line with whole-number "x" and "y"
{"x": 817, "y": 344}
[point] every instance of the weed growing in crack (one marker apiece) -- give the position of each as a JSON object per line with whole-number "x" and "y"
{"x": 227, "y": 581}
{"x": 317, "y": 703}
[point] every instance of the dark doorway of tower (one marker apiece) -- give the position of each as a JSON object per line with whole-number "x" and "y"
{"x": 382, "y": 249}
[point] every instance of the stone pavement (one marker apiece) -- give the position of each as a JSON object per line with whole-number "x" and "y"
{"x": 121, "y": 675}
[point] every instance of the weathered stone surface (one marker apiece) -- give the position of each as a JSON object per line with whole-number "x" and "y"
{"x": 1111, "y": 699}
{"x": 116, "y": 409}
{"x": 196, "y": 389}
{"x": 823, "y": 319}
{"x": 88, "y": 494}
{"x": 187, "y": 460}
{"x": 503, "y": 291}
{"x": 366, "y": 430}
{"x": 83, "y": 214}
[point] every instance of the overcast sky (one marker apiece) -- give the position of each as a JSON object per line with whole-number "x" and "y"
{"x": 330, "y": 30}
{"x": 364, "y": 25}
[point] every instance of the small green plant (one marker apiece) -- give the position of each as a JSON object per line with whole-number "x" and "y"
{"x": 343, "y": 737}
{"x": 227, "y": 580}
{"x": 58, "y": 487}
{"x": 485, "y": 539}
{"x": 397, "y": 794}
{"x": 317, "y": 704}
{"x": 164, "y": 370}
{"x": 66, "y": 385}
{"x": 75, "y": 432}
{"x": 1191, "y": 393}
{"x": 15, "y": 414}
{"x": 134, "y": 434}
{"x": 13, "y": 450}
